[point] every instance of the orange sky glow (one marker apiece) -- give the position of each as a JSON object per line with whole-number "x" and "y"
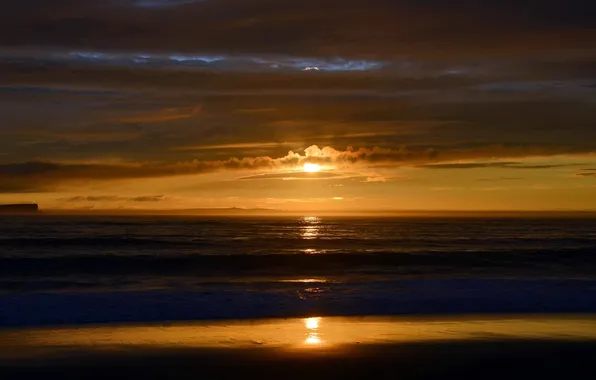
{"x": 388, "y": 105}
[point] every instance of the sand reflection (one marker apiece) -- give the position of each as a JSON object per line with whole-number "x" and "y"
{"x": 331, "y": 333}
{"x": 312, "y": 323}
{"x": 313, "y": 339}
{"x": 313, "y": 336}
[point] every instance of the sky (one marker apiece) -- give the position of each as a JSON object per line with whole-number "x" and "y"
{"x": 387, "y": 104}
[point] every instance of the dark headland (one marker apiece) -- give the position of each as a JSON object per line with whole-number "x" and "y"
{"x": 29, "y": 208}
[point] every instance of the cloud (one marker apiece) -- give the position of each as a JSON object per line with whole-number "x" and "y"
{"x": 169, "y": 114}
{"x": 429, "y": 157}
{"x": 49, "y": 136}
{"x": 149, "y": 198}
{"x": 46, "y": 174}
{"x": 377, "y": 179}
{"x": 162, "y": 3}
{"x": 496, "y": 179}
{"x": 252, "y": 111}
{"x": 237, "y": 146}
{"x": 91, "y": 198}
{"x": 98, "y": 92}
{"x": 113, "y": 198}
{"x": 377, "y": 28}
{"x": 295, "y": 176}
{"x": 470, "y": 165}
{"x": 275, "y": 144}
{"x": 504, "y": 165}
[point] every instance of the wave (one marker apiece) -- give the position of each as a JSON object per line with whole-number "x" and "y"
{"x": 415, "y": 296}
{"x": 122, "y": 241}
{"x": 299, "y": 263}
{"x": 278, "y": 244}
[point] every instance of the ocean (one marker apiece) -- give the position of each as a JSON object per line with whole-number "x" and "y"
{"x": 95, "y": 269}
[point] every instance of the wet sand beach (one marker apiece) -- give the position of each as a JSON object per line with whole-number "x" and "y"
{"x": 541, "y": 346}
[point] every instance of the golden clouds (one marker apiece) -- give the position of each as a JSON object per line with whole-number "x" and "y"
{"x": 41, "y": 175}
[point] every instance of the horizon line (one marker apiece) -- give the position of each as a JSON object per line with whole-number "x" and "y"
{"x": 272, "y": 212}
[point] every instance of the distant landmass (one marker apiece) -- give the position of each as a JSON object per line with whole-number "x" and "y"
{"x": 29, "y": 208}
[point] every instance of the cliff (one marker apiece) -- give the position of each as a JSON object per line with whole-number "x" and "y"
{"x": 19, "y": 209}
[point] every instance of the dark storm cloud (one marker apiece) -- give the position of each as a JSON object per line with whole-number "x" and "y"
{"x": 164, "y": 123}
{"x": 41, "y": 90}
{"x": 217, "y": 82}
{"x": 162, "y": 3}
{"x": 301, "y": 27}
{"x": 176, "y": 87}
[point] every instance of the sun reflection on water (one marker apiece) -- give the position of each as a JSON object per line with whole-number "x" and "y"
{"x": 310, "y": 228}
{"x": 311, "y": 219}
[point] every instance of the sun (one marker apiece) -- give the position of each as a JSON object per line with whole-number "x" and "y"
{"x": 311, "y": 168}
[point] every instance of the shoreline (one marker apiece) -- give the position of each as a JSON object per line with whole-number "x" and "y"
{"x": 387, "y": 347}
